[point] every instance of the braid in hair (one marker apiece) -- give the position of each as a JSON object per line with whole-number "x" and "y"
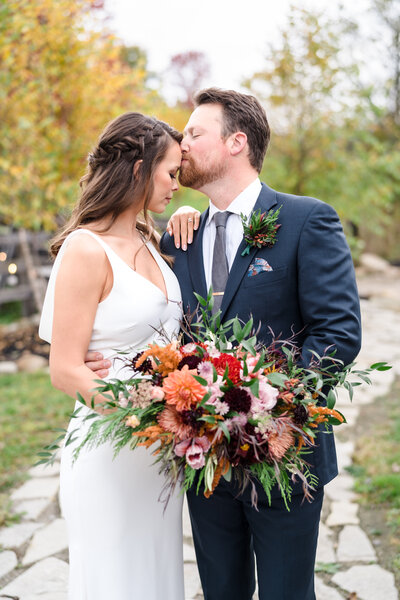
{"x": 109, "y": 186}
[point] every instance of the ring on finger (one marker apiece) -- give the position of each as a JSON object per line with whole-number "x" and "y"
{"x": 190, "y": 220}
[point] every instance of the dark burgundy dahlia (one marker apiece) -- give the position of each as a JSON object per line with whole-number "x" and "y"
{"x": 238, "y": 400}
{"x": 191, "y": 361}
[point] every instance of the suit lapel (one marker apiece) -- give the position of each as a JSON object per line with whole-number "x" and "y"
{"x": 265, "y": 201}
{"x": 195, "y": 259}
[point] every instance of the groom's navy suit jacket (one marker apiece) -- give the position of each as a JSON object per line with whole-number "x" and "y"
{"x": 311, "y": 289}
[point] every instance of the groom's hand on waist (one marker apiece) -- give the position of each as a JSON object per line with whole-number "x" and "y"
{"x": 96, "y": 363}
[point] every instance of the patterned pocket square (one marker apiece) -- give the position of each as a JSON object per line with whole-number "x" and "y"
{"x": 258, "y": 266}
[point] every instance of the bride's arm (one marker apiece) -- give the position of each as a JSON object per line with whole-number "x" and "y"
{"x": 83, "y": 279}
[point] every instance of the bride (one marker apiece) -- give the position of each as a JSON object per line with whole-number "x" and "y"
{"x": 110, "y": 291}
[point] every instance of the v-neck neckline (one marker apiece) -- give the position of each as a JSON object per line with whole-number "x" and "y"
{"x": 149, "y": 247}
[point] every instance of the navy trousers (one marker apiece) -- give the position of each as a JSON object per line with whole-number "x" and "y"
{"x": 228, "y": 533}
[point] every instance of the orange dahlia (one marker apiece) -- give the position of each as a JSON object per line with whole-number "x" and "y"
{"x": 182, "y": 389}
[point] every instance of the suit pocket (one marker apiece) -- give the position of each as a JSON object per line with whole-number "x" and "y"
{"x": 265, "y": 277}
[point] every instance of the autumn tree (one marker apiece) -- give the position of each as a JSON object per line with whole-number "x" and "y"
{"x": 61, "y": 81}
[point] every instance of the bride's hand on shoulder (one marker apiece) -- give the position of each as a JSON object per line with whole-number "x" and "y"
{"x": 182, "y": 224}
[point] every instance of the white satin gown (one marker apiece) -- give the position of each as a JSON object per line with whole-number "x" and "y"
{"x": 122, "y": 544}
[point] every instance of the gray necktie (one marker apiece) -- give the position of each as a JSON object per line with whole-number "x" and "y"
{"x": 220, "y": 269}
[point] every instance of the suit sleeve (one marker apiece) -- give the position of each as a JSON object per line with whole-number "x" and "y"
{"x": 327, "y": 287}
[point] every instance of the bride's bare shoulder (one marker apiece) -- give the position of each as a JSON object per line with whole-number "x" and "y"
{"x": 85, "y": 252}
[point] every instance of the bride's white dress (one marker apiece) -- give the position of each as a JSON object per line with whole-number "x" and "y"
{"x": 123, "y": 545}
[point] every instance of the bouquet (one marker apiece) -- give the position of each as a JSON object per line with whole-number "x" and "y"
{"x": 222, "y": 405}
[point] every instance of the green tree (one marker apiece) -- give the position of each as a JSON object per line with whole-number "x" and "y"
{"x": 325, "y": 140}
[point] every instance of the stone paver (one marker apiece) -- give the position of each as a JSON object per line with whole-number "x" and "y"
{"x": 325, "y": 549}
{"x": 46, "y": 487}
{"x": 354, "y": 546}
{"x": 343, "y": 513}
{"x": 369, "y": 583}
{"x": 32, "y": 509}
{"x": 192, "y": 581}
{"x": 46, "y": 578}
{"x": 344, "y": 452}
{"x": 342, "y": 543}
{"x": 45, "y": 471}
{"x": 17, "y": 535}
{"x": 324, "y": 592}
{"x": 340, "y": 489}
{"x": 8, "y": 562}
{"x": 46, "y": 542}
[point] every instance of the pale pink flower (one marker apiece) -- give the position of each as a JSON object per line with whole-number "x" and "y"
{"x": 221, "y": 408}
{"x": 212, "y": 350}
{"x": 188, "y": 348}
{"x": 195, "y": 457}
{"x": 267, "y": 398}
{"x": 180, "y": 449}
{"x": 122, "y": 400}
{"x": 205, "y": 370}
{"x": 251, "y": 362}
{"x": 215, "y": 390}
{"x": 157, "y": 393}
{"x": 193, "y": 450}
{"x": 240, "y": 420}
{"x": 132, "y": 421}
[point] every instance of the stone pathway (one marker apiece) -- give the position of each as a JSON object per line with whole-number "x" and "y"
{"x": 33, "y": 553}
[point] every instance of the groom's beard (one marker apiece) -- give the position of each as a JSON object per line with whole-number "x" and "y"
{"x": 193, "y": 176}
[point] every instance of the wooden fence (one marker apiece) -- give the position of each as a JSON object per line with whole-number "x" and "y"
{"x": 24, "y": 268}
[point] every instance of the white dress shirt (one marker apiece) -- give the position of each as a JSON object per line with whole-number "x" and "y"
{"x": 244, "y": 203}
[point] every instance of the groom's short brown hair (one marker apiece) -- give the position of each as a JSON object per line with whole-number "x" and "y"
{"x": 241, "y": 112}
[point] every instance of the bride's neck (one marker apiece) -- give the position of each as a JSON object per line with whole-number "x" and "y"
{"x": 124, "y": 225}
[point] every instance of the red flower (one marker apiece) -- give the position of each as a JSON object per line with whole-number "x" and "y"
{"x": 233, "y": 364}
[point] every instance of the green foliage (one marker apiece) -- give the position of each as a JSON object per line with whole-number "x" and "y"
{"x": 377, "y": 467}
{"x": 329, "y": 139}
{"x": 30, "y": 410}
{"x": 10, "y": 312}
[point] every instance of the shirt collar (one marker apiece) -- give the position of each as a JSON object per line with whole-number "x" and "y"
{"x": 243, "y": 203}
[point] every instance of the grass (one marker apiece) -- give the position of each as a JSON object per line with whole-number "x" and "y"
{"x": 10, "y": 312}
{"x": 377, "y": 472}
{"x": 30, "y": 408}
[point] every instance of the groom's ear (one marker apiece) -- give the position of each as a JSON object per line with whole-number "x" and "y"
{"x": 237, "y": 142}
{"x": 136, "y": 169}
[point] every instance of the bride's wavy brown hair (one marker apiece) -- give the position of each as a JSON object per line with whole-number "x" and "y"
{"x": 109, "y": 186}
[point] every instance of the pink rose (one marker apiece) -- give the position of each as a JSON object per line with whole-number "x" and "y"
{"x": 267, "y": 398}
{"x": 157, "y": 393}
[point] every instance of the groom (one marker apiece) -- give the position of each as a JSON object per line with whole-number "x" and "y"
{"x": 306, "y": 285}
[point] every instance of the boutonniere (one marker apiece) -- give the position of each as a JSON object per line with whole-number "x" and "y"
{"x": 260, "y": 229}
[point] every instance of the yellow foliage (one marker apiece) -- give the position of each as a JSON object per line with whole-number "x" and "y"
{"x": 60, "y": 83}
